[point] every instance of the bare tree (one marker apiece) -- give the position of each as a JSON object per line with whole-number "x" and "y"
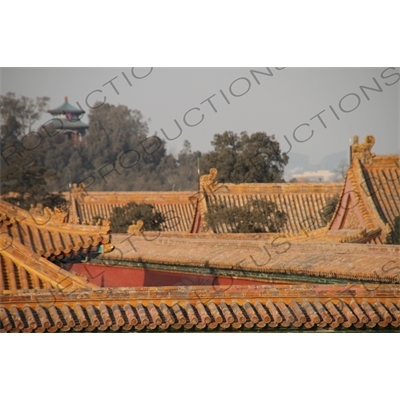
{"x": 341, "y": 170}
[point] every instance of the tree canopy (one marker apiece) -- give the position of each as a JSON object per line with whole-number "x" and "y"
{"x": 117, "y": 154}
{"x": 258, "y": 215}
{"x": 245, "y": 158}
{"x": 24, "y": 175}
{"x": 18, "y": 115}
{"x": 131, "y": 213}
{"x": 326, "y": 213}
{"x": 396, "y": 231}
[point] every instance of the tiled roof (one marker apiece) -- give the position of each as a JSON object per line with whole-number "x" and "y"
{"x": 66, "y": 107}
{"x": 66, "y": 124}
{"x": 302, "y": 202}
{"x": 176, "y": 207}
{"x": 347, "y": 285}
{"x": 192, "y": 308}
{"x": 268, "y": 256}
{"x": 299, "y": 201}
{"x": 27, "y": 241}
{"x": 382, "y": 185}
{"x": 370, "y": 199}
{"x": 45, "y": 234}
{"x": 22, "y": 268}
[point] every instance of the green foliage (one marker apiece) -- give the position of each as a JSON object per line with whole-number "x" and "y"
{"x": 396, "y": 231}
{"x": 122, "y": 217}
{"x": 19, "y": 114}
{"x": 180, "y": 173}
{"x": 118, "y": 154}
{"x": 327, "y": 211}
{"x": 244, "y": 158}
{"x": 23, "y": 173}
{"x": 255, "y": 216}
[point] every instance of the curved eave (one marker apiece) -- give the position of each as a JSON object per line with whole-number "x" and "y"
{"x": 59, "y": 123}
{"x": 196, "y": 308}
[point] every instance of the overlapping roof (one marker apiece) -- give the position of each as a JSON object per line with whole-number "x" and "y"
{"x": 177, "y": 207}
{"x": 331, "y": 283}
{"x": 299, "y": 201}
{"x": 264, "y": 258}
{"x": 370, "y": 198}
{"x": 29, "y": 241}
{"x": 48, "y": 234}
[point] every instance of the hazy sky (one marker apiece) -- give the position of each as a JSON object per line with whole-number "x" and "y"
{"x": 281, "y": 101}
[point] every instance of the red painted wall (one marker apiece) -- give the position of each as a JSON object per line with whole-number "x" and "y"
{"x": 111, "y": 276}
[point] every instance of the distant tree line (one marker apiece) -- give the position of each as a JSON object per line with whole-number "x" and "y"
{"x": 117, "y": 154}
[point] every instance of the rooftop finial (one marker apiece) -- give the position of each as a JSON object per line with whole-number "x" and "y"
{"x": 66, "y": 99}
{"x": 362, "y": 151}
{"x": 208, "y": 182}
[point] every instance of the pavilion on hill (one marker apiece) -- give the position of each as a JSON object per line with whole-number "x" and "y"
{"x": 67, "y": 118}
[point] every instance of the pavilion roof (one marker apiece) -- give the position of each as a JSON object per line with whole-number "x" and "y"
{"x": 66, "y": 108}
{"x": 59, "y": 123}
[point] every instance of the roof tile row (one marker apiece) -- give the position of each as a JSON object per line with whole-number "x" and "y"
{"x": 220, "y": 315}
{"x": 46, "y": 238}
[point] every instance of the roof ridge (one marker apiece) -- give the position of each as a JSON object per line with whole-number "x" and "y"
{"x": 17, "y": 214}
{"x": 66, "y": 107}
{"x": 358, "y": 178}
{"x": 45, "y": 270}
{"x": 368, "y": 206}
